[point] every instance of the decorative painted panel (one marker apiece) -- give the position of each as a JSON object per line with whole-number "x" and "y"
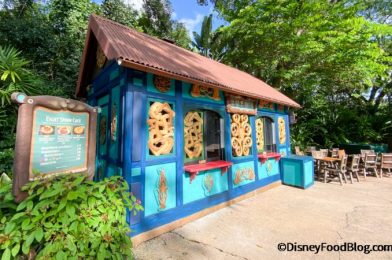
{"x": 205, "y": 184}
{"x": 282, "y": 130}
{"x": 266, "y": 105}
{"x": 241, "y": 105}
{"x": 243, "y": 173}
{"x": 203, "y": 91}
{"x": 161, "y": 85}
{"x": 206, "y": 94}
{"x": 268, "y": 168}
{"x": 241, "y": 135}
{"x": 260, "y": 135}
{"x": 160, "y": 188}
{"x": 160, "y": 128}
{"x": 114, "y": 122}
{"x": 193, "y": 135}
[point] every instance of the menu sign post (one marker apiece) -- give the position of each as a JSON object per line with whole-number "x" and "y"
{"x": 54, "y": 136}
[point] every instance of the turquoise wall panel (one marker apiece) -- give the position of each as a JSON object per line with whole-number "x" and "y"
{"x": 136, "y": 172}
{"x": 138, "y": 82}
{"x": 243, "y": 173}
{"x": 152, "y": 88}
{"x": 160, "y": 188}
{"x": 268, "y": 168}
{"x": 186, "y": 90}
{"x": 205, "y": 184}
{"x": 114, "y": 171}
{"x": 115, "y": 122}
{"x": 283, "y": 151}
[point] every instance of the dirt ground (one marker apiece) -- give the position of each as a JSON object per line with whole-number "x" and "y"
{"x": 253, "y": 228}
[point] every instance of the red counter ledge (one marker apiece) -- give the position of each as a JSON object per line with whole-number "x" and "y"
{"x": 194, "y": 169}
{"x": 264, "y": 157}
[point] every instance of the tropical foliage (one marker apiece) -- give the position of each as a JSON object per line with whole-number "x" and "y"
{"x": 333, "y": 57}
{"x": 67, "y": 218}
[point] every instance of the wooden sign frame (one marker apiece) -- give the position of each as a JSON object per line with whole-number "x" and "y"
{"x": 24, "y": 134}
{"x": 241, "y": 105}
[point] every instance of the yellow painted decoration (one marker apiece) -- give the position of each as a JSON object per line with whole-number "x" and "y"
{"x": 243, "y": 175}
{"x": 241, "y": 135}
{"x": 161, "y": 129}
{"x": 260, "y": 134}
{"x": 282, "y": 130}
{"x": 193, "y": 135}
{"x": 202, "y": 91}
{"x": 162, "y": 83}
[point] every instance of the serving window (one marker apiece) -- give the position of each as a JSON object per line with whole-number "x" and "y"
{"x": 265, "y": 134}
{"x": 203, "y": 136}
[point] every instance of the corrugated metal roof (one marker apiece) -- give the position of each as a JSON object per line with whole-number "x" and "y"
{"x": 141, "y": 51}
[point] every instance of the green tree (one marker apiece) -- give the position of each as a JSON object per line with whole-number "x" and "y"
{"x": 209, "y": 43}
{"x": 179, "y": 34}
{"x": 15, "y": 76}
{"x": 119, "y": 12}
{"x": 156, "y": 20}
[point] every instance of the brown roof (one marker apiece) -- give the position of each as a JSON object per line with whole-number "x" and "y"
{"x": 143, "y": 52}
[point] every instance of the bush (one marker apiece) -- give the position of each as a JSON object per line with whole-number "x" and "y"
{"x": 67, "y": 217}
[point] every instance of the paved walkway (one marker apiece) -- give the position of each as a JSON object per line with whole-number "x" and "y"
{"x": 252, "y": 229}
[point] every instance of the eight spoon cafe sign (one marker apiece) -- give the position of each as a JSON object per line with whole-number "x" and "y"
{"x": 54, "y": 136}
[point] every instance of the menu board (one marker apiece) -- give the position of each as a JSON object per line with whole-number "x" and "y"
{"x": 59, "y": 142}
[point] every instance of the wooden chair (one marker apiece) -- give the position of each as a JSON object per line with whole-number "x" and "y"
{"x": 317, "y": 163}
{"x": 324, "y": 152}
{"x": 354, "y": 167}
{"x": 341, "y": 153}
{"x": 364, "y": 152}
{"x": 335, "y": 152}
{"x": 386, "y": 163}
{"x": 339, "y": 171}
{"x": 298, "y": 151}
{"x": 370, "y": 163}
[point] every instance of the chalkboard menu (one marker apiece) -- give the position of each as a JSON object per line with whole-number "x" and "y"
{"x": 59, "y": 142}
{"x": 54, "y": 136}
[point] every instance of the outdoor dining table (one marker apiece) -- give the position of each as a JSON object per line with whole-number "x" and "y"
{"x": 327, "y": 159}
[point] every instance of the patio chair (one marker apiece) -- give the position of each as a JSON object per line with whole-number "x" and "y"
{"x": 298, "y": 151}
{"x": 386, "y": 163}
{"x": 339, "y": 171}
{"x": 310, "y": 149}
{"x": 354, "y": 167}
{"x": 335, "y": 152}
{"x": 317, "y": 164}
{"x": 341, "y": 153}
{"x": 324, "y": 152}
{"x": 370, "y": 163}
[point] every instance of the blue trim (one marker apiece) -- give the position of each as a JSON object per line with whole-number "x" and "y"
{"x": 179, "y": 142}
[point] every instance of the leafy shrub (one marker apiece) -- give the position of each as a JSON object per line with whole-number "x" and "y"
{"x": 67, "y": 217}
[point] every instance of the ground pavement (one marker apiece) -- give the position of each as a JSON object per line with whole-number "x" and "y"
{"x": 253, "y": 228}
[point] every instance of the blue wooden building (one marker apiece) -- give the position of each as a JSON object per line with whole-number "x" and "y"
{"x": 190, "y": 135}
